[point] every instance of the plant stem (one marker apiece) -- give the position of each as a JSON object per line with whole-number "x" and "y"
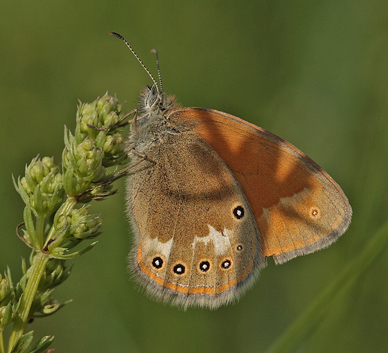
{"x": 37, "y": 270}
{"x": 1, "y": 341}
{"x": 39, "y": 226}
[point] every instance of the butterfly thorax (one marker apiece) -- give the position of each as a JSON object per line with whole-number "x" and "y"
{"x": 151, "y": 124}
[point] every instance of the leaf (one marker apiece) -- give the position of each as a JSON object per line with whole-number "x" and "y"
{"x": 19, "y": 188}
{"x": 74, "y": 254}
{"x": 30, "y": 227}
{"x": 41, "y": 345}
{"x": 23, "y": 343}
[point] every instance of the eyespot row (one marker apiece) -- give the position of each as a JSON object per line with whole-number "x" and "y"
{"x": 203, "y": 266}
{"x": 179, "y": 268}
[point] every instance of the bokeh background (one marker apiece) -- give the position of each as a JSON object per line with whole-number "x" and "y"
{"x": 315, "y": 73}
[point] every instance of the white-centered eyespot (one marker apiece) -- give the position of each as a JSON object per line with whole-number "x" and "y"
{"x": 179, "y": 269}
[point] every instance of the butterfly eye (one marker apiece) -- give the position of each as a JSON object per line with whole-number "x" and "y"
{"x": 226, "y": 264}
{"x": 179, "y": 269}
{"x": 157, "y": 262}
{"x": 204, "y": 266}
{"x": 238, "y": 212}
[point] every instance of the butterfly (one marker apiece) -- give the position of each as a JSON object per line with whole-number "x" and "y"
{"x": 211, "y": 196}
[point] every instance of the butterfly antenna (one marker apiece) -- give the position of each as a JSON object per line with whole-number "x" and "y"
{"x": 157, "y": 64}
{"x": 138, "y": 59}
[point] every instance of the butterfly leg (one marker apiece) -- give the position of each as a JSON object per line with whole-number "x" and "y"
{"x": 124, "y": 171}
{"x": 143, "y": 157}
{"x": 134, "y": 121}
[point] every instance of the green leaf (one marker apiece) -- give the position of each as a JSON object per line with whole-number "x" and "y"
{"x": 74, "y": 254}
{"x": 41, "y": 345}
{"x": 30, "y": 236}
{"x": 23, "y": 343}
{"x": 19, "y": 188}
{"x": 7, "y": 315}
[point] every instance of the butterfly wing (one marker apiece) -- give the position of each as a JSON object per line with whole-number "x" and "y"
{"x": 298, "y": 207}
{"x": 197, "y": 242}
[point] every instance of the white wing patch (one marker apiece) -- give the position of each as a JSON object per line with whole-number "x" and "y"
{"x": 156, "y": 246}
{"x": 219, "y": 239}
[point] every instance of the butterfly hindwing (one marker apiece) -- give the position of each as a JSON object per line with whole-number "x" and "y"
{"x": 198, "y": 241}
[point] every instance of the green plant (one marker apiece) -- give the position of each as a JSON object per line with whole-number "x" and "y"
{"x": 57, "y": 218}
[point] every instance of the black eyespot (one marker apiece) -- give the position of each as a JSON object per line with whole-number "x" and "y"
{"x": 239, "y": 247}
{"x": 238, "y": 212}
{"x": 179, "y": 269}
{"x": 204, "y": 266}
{"x": 157, "y": 262}
{"x": 226, "y": 264}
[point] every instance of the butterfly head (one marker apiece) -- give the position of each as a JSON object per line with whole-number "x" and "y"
{"x": 154, "y": 103}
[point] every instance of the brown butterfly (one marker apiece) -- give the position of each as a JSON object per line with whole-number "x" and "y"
{"x": 211, "y": 196}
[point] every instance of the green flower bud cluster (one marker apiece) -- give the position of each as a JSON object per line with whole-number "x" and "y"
{"x": 72, "y": 228}
{"x": 96, "y": 145}
{"x": 41, "y": 188}
{"x": 42, "y": 191}
{"x": 56, "y": 217}
{"x": 82, "y": 165}
{"x": 100, "y": 122}
{"x": 84, "y": 225}
{"x": 52, "y": 223}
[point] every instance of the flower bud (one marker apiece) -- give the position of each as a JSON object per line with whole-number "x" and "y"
{"x": 86, "y": 115}
{"x": 113, "y": 147}
{"x": 48, "y": 195}
{"x": 5, "y": 290}
{"x": 103, "y": 112}
{"x": 84, "y": 225}
{"x": 81, "y": 165}
{"x": 36, "y": 171}
{"x": 6, "y": 301}
{"x": 89, "y": 161}
{"x": 111, "y": 118}
{"x": 55, "y": 273}
{"x": 7, "y": 315}
{"x": 106, "y": 105}
{"x": 41, "y": 188}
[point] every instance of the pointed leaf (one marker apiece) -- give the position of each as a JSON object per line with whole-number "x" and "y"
{"x": 74, "y": 254}
{"x": 19, "y": 188}
{"x": 23, "y": 343}
{"x": 41, "y": 345}
{"x": 30, "y": 227}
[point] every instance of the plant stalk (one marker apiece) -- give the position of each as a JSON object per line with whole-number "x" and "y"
{"x": 2, "y": 350}
{"x": 37, "y": 270}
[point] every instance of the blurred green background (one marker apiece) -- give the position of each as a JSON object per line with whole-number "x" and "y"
{"x": 314, "y": 73}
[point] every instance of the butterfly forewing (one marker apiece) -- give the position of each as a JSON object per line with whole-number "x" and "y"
{"x": 298, "y": 207}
